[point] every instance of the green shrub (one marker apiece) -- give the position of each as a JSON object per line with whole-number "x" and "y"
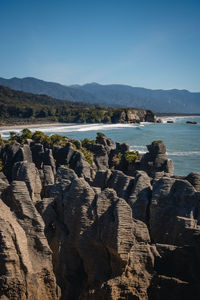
{"x": 77, "y": 144}
{"x": 56, "y": 139}
{"x": 26, "y": 134}
{"x": 88, "y": 156}
{"x": 1, "y": 141}
{"x": 131, "y": 156}
{"x": 14, "y": 136}
{"x": 87, "y": 141}
{"x": 39, "y": 136}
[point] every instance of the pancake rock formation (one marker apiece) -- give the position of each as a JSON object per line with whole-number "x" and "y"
{"x": 91, "y": 220}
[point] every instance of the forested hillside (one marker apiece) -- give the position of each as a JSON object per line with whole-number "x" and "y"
{"x": 115, "y": 95}
{"x": 17, "y": 106}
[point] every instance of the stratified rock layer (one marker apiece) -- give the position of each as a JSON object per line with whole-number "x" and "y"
{"x": 25, "y": 266}
{"x": 71, "y": 229}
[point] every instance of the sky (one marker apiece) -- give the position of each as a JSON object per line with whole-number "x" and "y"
{"x": 148, "y": 43}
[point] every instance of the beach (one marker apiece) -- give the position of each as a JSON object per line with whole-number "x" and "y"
{"x": 34, "y": 125}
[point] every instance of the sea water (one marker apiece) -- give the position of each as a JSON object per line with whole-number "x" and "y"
{"x": 182, "y": 140}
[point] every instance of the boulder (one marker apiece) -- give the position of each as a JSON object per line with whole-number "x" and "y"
{"x": 191, "y": 122}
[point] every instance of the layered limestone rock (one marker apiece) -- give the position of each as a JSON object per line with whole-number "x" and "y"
{"x": 98, "y": 240}
{"x": 25, "y": 267}
{"x": 156, "y": 160}
{"x": 75, "y": 229}
{"x": 27, "y": 172}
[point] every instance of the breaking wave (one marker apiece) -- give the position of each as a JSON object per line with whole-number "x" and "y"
{"x": 70, "y": 128}
{"x": 178, "y": 119}
{"x": 143, "y": 149}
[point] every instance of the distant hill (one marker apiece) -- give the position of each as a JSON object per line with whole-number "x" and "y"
{"x": 55, "y": 90}
{"x": 163, "y": 101}
{"x": 23, "y": 107}
{"x": 168, "y": 101}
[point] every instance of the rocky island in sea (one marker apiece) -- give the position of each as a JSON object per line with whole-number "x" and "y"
{"x": 92, "y": 220}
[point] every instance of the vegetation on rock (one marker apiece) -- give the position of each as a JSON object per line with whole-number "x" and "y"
{"x": 88, "y": 156}
{"x": 117, "y": 159}
{"x": 1, "y": 141}
{"x": 131, "y": 156}
{"x": 100, "y": 135}
{"x": 87, "y": 141}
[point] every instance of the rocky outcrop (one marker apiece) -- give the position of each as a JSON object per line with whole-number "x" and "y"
{"x": 134, "y": 116}
{"x": 26, "y": 268}
{"x": 194, "y": 179}
{"x": 72, "y": 228}
{"x": 156, "y": 160}
{"x": 177, "y": 204}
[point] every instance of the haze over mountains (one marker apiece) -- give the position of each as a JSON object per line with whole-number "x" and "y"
{"x": 163, "y": 101}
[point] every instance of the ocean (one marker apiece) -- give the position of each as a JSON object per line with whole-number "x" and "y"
{"x": 182, "y": 140}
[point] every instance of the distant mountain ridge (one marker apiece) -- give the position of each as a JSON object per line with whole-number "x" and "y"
{"x": 163, "y": 101}
{"x": 52, "y": 89}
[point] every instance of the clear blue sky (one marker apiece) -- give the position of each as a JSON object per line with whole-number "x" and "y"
{"x": 154, "y": 44}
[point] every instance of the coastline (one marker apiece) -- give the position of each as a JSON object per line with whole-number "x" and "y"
{"x": 35, "y": 125}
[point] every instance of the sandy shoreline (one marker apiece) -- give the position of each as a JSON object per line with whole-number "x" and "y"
{"x": 36, "y": 125}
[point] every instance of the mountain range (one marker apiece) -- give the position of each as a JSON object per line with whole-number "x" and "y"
{"x": 161, "y": 101}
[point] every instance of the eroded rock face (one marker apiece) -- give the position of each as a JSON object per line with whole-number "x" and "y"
{"x": 194, "y": 179}
{"x": 156, "y": 160}
{"x": 98, "y": 242}
{"x": 94, "y": 233}
{"x": 140, "y": 196}
{"x": 26, "y": 269}
{"x": 176, "y": 204}
{"x": 27, "y": 172}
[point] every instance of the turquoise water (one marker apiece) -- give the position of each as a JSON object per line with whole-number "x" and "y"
{"x": 182, "y": 140}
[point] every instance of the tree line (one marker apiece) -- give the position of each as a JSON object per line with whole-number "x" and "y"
{"x": 17, "y": 105}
